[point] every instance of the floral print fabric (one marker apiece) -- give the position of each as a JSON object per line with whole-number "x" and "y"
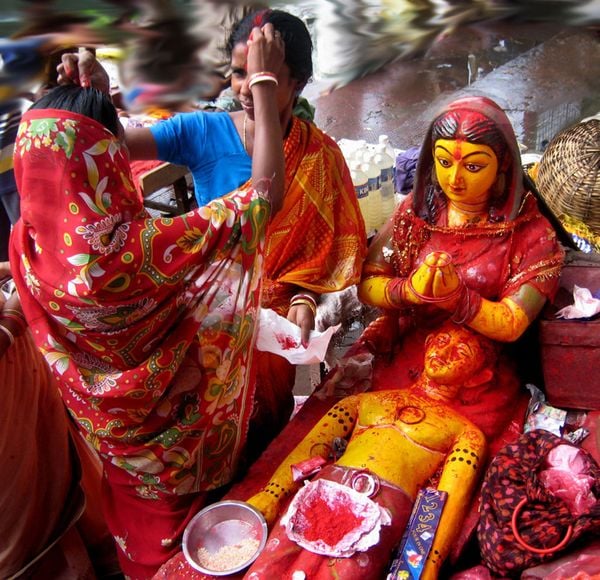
{"x": 147, "y": 323}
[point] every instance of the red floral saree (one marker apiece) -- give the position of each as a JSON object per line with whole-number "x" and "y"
{"x": 148, "y": 324}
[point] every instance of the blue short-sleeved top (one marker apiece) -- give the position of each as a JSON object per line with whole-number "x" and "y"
{"x": 208, "y": 143}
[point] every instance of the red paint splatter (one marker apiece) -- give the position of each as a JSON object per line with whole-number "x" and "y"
{"x": 286, "y": 342}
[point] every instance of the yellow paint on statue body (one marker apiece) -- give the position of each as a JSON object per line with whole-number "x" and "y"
{"x": 405, "y": 436}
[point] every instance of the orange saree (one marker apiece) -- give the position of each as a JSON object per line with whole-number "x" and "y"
{"x": 317, "y": 242}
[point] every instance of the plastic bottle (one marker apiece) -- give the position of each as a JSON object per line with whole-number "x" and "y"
{"x": 372, "y": 170}
{"x": 386, "y": 168}
{"x": 385, "y": 140}
{"x": 361, "y": 187}
{"x": 350, "y": 149}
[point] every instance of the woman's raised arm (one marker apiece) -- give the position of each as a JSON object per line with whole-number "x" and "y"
{"x": 265, "y": 57}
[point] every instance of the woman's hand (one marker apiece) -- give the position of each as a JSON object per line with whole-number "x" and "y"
{"x": 12, "y": 321}
{"x": 266, "y": 55}
{"x": 83, "y": 69}
{"x": 301, "y": 315}
{"x": 5, "y": 273}
{"x": 266, "y": 51}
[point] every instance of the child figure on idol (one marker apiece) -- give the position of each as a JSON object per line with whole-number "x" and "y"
{"x": 347, "y": 521}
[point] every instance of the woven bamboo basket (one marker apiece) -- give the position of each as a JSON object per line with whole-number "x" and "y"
{"x": 569, "y": 174}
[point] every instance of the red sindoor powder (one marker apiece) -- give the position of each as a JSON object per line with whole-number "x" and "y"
{"x": 286, "y": 342}
{"x": 328, "y": 523}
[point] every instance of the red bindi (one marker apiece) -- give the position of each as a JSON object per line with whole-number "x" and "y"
{"x": 457, "y": 151}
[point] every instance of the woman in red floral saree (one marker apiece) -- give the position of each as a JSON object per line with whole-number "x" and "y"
{"x": 147, "y": 323}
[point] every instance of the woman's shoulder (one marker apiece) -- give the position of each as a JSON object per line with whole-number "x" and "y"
{"x": 205, "y": 119}
{"x": 315, "y": 133}
{"x": 217, "y": 128}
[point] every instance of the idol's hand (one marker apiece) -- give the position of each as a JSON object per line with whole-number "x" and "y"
{"x": 435, "y": 279}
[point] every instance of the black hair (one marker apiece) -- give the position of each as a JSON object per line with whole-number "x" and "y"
{"x": 89, "y": 102}
{"x": 295, "y": 35}
{"x": 474, "y": 128}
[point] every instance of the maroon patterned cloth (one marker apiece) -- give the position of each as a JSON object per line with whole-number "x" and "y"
{"x": 542, "y": 520}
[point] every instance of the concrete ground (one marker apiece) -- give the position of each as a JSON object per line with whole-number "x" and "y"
{"x": 544, "y": 75}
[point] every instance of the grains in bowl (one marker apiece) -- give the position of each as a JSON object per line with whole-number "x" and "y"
{"x": 228, "y": 557}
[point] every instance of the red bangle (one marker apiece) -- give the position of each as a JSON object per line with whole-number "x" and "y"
{"x": 9, "y": 334}
{"x": 431, "y": 299}
{"x": 19, "y": 320}
{"x": 525, "y": 545}
{"x": 394, "y": 291}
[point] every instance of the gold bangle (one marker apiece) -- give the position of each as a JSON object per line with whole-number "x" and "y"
{"x": 300, "y": 301}
{"x": 305, "y": 297}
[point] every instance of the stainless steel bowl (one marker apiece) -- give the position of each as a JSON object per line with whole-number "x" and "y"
{"x": 222, "y": 524}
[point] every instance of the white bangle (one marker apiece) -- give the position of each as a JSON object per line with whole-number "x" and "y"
{"x": 262, "y": 78}
{"x": 11, "y": 336}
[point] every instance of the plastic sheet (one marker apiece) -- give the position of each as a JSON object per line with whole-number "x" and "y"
{"x": 282, "y": 337}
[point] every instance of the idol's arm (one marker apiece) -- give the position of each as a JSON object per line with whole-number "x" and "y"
{"x": 379, "y": 285}
{"x": 338, "y": 422}
{"x": 504, "y": 320}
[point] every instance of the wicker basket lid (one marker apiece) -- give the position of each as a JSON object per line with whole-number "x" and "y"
{"x": 569, "y": 174}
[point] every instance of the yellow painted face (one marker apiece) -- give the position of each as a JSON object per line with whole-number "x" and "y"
{"x": 453, "y": 356}
{"x": 465, "y": 171}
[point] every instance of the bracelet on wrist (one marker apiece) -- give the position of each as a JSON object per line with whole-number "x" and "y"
{"x": 434, "y": 299}
{"x": 15, "y": 315}
{"x": 11, "y": 336}
{"x": 302, "y": 296}
{"x": 306, "y": 300}
{"x": 305, "y": 303}
{"x": 262, "y": 77}
{"x": 20, "y": 322}
{"x": 467, "y": 307}
{"x": 394, "y": 293}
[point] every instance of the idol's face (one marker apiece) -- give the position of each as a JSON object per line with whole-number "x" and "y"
{"x": 466, "y": 172}
{"x": 452, "y": 357}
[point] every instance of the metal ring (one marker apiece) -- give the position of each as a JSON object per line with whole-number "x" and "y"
{"x": 366, "y": 483}
{"x": 525, "y": 545}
